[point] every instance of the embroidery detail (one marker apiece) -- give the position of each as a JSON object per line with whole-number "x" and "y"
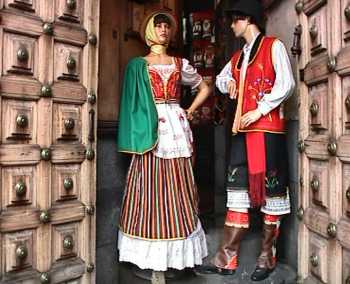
{"x": 165, "y": 83}
{"x": 261, "y": 86}
{"x": 231, "y": 174}
{"x": 181, "y": 117}
{"x": 271, "y": 180}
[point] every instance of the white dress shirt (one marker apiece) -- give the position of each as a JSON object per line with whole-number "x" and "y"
{"x": 284, "y": 82}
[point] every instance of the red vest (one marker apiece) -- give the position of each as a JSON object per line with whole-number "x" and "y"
{"x": 259, "y": 80}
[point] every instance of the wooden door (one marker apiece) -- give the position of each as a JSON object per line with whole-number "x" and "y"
{"x": 324, "y": 212}
{"x": 48, "y": 83}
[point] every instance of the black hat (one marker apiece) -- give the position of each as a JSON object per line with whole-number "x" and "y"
{"x": 252, "y": 8}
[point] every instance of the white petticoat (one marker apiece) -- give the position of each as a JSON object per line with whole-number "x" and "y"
{"x": 159, "y": 255}
{"x": 174, "y": 132}
{"x": 238, "y": 200}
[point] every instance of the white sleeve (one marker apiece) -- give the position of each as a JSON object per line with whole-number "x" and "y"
{"x": 223, "y": 78}
{"x": 189, "y": 75}
{"x": 284, "y": 82}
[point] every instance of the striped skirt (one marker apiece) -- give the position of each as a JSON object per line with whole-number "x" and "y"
{"x": 160, "y": 201}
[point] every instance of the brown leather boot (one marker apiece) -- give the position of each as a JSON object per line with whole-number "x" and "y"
{"x": 226, "y": 258}
{"x": 267, "y": 259}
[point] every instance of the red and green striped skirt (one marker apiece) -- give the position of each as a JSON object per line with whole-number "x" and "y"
{"x": 160, "y": 201}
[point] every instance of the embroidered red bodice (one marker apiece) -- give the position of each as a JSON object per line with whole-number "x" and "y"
{"x": 170, "y": 90}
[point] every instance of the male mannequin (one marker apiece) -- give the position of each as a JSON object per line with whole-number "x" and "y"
{"x": 259, "y": 77}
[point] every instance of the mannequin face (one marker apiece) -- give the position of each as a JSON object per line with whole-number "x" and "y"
{"x": 240, "y": 25}
{"x": 163, "y": 32}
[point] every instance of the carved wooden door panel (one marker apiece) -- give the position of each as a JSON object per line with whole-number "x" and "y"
{"x": 324, "y": 212}
{"x": 48, "y": 59}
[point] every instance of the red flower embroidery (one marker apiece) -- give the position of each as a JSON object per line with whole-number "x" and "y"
{"x": 261, "y": 86}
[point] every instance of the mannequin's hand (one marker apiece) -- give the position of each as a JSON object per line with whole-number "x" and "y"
{"x": 250, "y": 117}
{"x": 189, "y": 113}
{"x": 232, "y": 89}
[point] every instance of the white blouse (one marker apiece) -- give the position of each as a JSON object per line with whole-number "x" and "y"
{"x": 284, "y": 82}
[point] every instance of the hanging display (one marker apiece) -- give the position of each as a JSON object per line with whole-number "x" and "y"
{"x": 203, "y": 58}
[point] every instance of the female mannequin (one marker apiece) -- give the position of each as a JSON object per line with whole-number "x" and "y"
{"x": 159, "y": 226}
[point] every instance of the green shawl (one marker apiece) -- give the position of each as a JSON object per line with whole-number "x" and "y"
{"x": 138, "y": 118}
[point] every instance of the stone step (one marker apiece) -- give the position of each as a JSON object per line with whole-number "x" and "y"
{"x": 250, "y": 248}
{"x": 283, "y": 274}
{"x": 249, "y": 251}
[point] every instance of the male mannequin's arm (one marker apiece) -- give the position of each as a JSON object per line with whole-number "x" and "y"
{"x": 225, "y": 82}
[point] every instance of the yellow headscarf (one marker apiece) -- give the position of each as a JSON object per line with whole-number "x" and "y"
{"x": 149, "y": 35}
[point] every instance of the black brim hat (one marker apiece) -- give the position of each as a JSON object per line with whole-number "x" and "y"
{"x": 251, "y": 8}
